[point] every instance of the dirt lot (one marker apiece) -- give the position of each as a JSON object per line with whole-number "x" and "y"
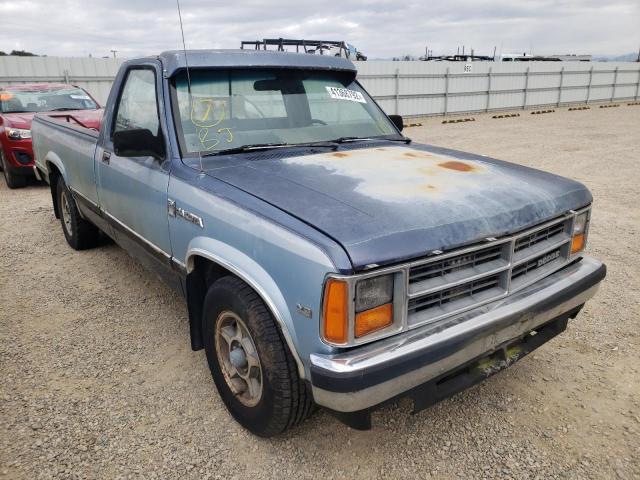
{"x": 98, "y": 380}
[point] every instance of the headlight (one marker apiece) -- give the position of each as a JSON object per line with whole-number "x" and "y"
{"x": 351, "y": 311}
{"x": 374, "y": 310}
{"x": 579, "y": 234}
{"x": 18, "y": 133}
{"x": 373, "y": 292}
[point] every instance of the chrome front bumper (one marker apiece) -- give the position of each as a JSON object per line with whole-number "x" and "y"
{"x": 367, "y": 376}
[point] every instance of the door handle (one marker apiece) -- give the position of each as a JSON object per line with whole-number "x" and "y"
{"x": 106, "y": 157}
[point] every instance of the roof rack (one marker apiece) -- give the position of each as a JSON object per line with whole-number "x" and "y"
{"x": 322, "y": 47}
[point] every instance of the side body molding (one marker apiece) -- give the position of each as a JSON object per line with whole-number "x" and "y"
{"x": 254, "y": 275}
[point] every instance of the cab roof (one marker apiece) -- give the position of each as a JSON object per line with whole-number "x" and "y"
{"x": 175, "y": 60}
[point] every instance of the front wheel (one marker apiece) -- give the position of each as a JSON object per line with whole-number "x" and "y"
{"x": 255, "y": 374}
{"x": 12, "y": 180}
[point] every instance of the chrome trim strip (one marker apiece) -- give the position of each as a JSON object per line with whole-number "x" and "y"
{"x": 91, "y": 202}
{"x": 457, "y": 311}
{"x": 542, "y": 226}
{"x": 383, "y": 352}
{"x": 550, "y": 248}
{"x": 179, "y": 264}
{"x": 260, "y": 291}
{"x": 462, "y": 251}
{"x": 471, "y": 278}
{"x": 113, "y": 219}
{"x": 153, "y": 246}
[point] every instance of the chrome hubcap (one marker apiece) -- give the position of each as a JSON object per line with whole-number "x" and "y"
{"x": 238, "y": 358}
{"x": 66, "y": 213}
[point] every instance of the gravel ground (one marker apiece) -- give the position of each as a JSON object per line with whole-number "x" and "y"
{"x": 98, "y": 380}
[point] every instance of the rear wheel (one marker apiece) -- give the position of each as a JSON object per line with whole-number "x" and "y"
{"x": 251, "y": 365}
{"x": 80, "y": 233}
{"x": 12, "y": 180}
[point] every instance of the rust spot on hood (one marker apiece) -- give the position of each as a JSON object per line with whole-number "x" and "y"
{"x": 458, "y": 166}
{"x": 417, "y": 155}
{"x": 340, "y": 154}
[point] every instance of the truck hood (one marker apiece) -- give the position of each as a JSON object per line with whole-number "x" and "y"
{"x": 391, "y": 203}
{"x": 18, "y": 120}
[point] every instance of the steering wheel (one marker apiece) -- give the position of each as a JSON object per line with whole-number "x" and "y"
{"x": 317, "y": 121}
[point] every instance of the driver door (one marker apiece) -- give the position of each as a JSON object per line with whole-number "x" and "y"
{"x": 133, "y": 190}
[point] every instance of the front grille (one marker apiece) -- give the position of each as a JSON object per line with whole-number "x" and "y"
{"x": 465, "y": 279}
{"x": 449, "y": 270}
{"x": 542, "y": 235}
{"x": 450, "y": 299}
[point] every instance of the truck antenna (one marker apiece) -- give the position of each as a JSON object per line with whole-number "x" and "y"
{"x": 186, "y": 62}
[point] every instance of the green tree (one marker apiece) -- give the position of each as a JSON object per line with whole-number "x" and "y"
{"x": 22, "y": 53}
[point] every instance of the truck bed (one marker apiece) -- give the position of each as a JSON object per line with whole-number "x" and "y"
{"x": 67, "y": 141}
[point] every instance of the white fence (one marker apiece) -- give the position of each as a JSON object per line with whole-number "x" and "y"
{"x": 408, "y": 88}
{"x": 440, "y": 88}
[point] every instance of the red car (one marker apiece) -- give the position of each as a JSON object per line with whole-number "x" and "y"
{"x": 18, "y": 105}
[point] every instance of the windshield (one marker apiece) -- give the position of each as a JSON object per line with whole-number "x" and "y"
{"x": 43, "y": 99}
{"x": 233, "y": 108}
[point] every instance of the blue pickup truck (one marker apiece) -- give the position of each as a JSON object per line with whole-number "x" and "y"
{"x": 324, "y": 257}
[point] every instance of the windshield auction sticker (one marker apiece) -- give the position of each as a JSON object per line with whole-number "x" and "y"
{"x": 346, "y": 94}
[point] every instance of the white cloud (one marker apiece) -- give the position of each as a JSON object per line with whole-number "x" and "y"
{"x": 380, "y": 28}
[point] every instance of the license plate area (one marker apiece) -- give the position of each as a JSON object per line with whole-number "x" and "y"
{"x": 465, "y": 376}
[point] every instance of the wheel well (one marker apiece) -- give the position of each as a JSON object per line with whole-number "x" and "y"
{"x": 54, "y": 174}
{"x": 204, "y": 273}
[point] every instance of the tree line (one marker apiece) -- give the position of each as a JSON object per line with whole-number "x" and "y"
{"x": 17, "y": 53}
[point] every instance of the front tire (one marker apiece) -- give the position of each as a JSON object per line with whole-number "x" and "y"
{"x": 12, "y": 180}
{"x": 255, "y": 373}
{"x": 80, "y": 233}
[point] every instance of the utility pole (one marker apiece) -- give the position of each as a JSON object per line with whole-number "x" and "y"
{"x": 114, "y": 52}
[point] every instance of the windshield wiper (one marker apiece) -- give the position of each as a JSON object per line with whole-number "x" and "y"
{"x": 353, "y": 139}
{"x": 62, "y": 109}
{"x": 268, "y": 146}
{"x": 364, "y": 139}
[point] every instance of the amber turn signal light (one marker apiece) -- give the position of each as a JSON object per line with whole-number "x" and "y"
{"x": 375, "y": 319}
{"x": 335, "y": 312}
{"x": 577, "y": 243}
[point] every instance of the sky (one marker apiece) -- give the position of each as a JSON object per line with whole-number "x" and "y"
{"x": 379, "y": 28}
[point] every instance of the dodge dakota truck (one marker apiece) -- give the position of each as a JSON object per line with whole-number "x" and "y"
{"x": 325, "y": 258}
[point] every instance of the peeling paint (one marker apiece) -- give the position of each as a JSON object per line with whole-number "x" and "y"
{"x": 400, "y": 174}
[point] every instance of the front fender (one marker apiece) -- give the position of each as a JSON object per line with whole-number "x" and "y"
{"x": 255, "y": 276}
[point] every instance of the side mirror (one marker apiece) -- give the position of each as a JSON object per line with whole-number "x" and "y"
{"x": 139, "y": 142}
{"x": 397, "y": 121}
